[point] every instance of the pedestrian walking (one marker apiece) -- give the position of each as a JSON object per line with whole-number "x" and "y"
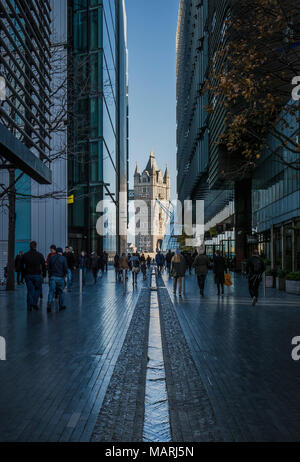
{"x": 160, "y": 260}
{"x": 123, "y": 266}
{"x": 69, "y": 255}
{"x": 144, "y": 267}
{"x": 95, "y": 266}
{"x": 129, "y": 261}
{"x": 195, "y": 254}
{"x": 105, "y": 261}
{"x": 189, "y": 261}
{"x": 18, "y": 268}
{"x": 135, "y": 267}
{"x": 201, "y": 265}
{"x": 58, "y": 270}
{"x": 169, "y": 257}
{"x": 83, "y": 265}
{"x": 219, "y": 268}
{"x": 148, "y": 261}
{"x": 117, "y": 266}
{"x": 34, "y": 269}
{"x": 101, "y": 262}
{"x": 255, "y": 269}
{"x": 178, "y": 269}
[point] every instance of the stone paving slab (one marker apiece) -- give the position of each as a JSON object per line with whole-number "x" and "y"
{"x": 121, "y": 418}
{"x": 192, "y": 418}
{"x": 243, "y": 355}
{"x": 59, "y": 365}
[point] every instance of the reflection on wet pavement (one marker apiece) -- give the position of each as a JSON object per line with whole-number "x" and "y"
{"x": 157, "y": 421}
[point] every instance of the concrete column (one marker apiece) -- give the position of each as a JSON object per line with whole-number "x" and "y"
{"x": 243, "y": 219}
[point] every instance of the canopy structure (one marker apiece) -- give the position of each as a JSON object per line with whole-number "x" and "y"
{"x": 22, "y": 158}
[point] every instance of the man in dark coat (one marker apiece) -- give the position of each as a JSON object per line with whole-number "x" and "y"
{"x": 34, "y": 269}
{"x": 58, "y": 270}
{"x": 169, "y": 257}
{"x": 219, "y": 271}
{"x": 201, "y": 265}
{"x": 95, "y": 265}
{"x": 255, "y": 269}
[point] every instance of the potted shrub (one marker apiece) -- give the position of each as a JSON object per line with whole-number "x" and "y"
{"x": 280, "y": 279}
{"x": 270, "y": 279}
{"x": 293, "y": 283}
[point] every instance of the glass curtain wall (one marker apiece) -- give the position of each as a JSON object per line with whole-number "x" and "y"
{"x": 92, "y": 138}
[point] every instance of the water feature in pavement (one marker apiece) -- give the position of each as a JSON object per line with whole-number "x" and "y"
{"x": 157, "y": 420}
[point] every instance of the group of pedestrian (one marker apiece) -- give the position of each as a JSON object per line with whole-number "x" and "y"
{"x": 134, "y": 263}
{"x": 32, "y": 268}
{"x": 178, "y": 264}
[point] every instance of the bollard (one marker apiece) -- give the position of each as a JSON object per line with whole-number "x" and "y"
{"x": 80, "y": 280}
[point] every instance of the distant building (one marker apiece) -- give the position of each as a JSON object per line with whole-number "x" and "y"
{"x": 149, "y": 186}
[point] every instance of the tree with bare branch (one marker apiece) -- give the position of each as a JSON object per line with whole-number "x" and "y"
{"x": 251, "y": 78}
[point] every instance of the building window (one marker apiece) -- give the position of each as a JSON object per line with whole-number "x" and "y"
{"x": 80, "y": 31}
{"x": 214, "y": 21}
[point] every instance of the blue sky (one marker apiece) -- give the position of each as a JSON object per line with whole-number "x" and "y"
{"x": 152, "y": 83}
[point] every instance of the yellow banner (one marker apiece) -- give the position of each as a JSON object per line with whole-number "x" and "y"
{"x": 71, "y": 199}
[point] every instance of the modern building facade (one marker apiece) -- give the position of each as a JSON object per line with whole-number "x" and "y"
{"x": 261, "y": 210}
{"x": 25, "y": 117}
{"x": 152, "y": 187}
{"x": 198, "y": 166}
{"x": 98, "y": 134}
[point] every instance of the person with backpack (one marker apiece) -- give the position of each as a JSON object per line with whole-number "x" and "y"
{"x": 255, "y": 269}
{"x": 201, "y": 265}
{"x": 57, "y": 270}
{"x": 135, "y": 267}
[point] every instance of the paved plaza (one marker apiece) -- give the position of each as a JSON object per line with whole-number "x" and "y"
{"x": 79, "y": 375}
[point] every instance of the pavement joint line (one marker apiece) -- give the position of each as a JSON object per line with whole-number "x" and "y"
{"x": 155, "y": 386}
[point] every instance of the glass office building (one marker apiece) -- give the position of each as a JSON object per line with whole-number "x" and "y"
{"x": 98, "y": 105}
{"x": 262, "y": 210}
{"x": 25, "y": 67}
{"x": 200, "y": 31}
{"x": 276, "y": 207}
